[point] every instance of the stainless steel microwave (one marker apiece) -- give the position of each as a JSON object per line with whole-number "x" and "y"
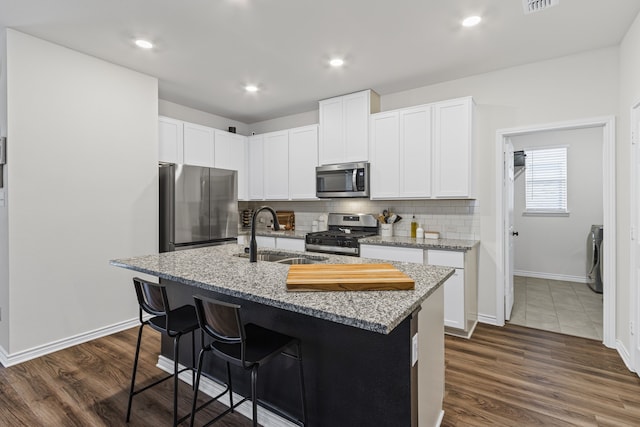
{"x": 343, "y": 180}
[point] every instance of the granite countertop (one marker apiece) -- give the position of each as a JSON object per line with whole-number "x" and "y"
{"x": 215, "y": 268}
{"x": 408, "y": 242}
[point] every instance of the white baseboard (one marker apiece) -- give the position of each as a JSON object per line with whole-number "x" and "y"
{"x": 35, "y": 352}
{"x": 489, "y": 320}
{"x": 551, "y": 276}
{"x": 266, "y": 418}
{"x": 440, "y": 418}
{"x": 625, "y": 355}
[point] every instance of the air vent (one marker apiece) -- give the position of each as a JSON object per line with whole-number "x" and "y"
{"x": 531, "y": 6}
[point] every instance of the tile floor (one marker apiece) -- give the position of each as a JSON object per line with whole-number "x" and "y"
{"x": 566, "y": 307}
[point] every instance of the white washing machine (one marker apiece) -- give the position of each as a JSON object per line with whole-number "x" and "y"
{"x": 594, "y": 258}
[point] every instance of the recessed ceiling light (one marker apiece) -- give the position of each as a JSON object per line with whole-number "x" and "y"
{"x": 144, "y": 44}
{"x": 251, "y": 88}
{"x": 471, "y": 21}
{"x": 336, "y": 62}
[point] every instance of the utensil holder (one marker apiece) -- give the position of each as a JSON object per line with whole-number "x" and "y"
{"x": 386, "y": 230}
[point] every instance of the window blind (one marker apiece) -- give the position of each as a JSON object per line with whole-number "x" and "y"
{"x": 546, "y": 180}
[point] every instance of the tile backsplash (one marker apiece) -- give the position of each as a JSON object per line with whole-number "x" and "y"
{"x": 453, "y": 219}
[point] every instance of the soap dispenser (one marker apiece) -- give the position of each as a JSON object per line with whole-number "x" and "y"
{"x": 420, "y": 232}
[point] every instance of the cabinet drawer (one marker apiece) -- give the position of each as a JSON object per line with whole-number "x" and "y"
{"x": 445, "y": 258}
{"x": 392, "y": 253}
{"x": 290, "y": 244}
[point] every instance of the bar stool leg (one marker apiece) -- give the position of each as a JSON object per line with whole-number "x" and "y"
{"x": 230, "y": 387}
{"x": 176, "y": 352}
{"x": 302, "y": 393}
{"x": 254, "y": 394}
{"x": 135, "y": 369}
{"x": 197, "y": 386}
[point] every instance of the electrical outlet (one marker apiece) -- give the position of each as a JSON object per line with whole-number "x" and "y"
{"x": 414, "y": 349}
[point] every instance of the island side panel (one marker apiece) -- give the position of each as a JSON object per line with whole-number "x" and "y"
{"x": 352, "y": 376}
{"x": 431, "y": 360}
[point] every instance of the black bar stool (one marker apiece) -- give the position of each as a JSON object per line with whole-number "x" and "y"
{"x": 248, "y": 346}
{"x": 175, "y": 323}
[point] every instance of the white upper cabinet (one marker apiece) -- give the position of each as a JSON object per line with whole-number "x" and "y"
{"x": 170, "y": 140}
{"x": 198, "y": 145}
{"x": 423, "y": 152}
{"x": 344, "y": 127}
{"x": 401, "y": 154}
{"x": 303, "y": 159}
{"x": 453, "y": 149}
{"x": 276, "y": 165}
{"x": 385, "y": 155}
{"x": 256, "y": 167}
{"x": 231, "y": 153}
{"x": 415, "y": 152}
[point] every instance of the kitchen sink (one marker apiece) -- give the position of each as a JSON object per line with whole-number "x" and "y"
{"x": 285, "y": 258}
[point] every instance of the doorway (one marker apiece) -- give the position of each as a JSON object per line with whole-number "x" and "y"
{"x": 505, "y": 271}
{"x": 557, "y": 200}
{"x": 634, "y": 308}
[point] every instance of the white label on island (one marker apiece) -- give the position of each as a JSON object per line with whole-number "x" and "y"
{"x": 414, "y": 349}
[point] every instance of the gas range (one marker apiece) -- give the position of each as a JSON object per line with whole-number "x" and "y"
{"x": 343, "y": 234}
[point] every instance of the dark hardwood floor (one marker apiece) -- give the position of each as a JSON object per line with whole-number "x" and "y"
{"x": 517, "y": 376}
{"x": 511, "y": 376}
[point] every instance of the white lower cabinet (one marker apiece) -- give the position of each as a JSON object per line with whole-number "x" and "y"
{"x": 265, "y": 242}
{"x": 390, "y": 253}
{"x": 284, "y": 243}
{"x": 288, "y": 244}
{"x": 460, "y": 290}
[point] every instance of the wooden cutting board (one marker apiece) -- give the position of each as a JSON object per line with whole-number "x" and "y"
{"x": 347, "y": 277}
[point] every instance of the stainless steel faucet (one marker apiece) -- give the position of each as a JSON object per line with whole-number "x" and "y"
{"x": 253, "y": 245}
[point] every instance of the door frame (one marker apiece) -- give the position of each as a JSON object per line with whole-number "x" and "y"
{"x": 607, "y": 123}
{"x": 634, "y": 265}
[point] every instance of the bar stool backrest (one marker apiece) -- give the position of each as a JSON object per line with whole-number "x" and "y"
{"x": 152, "y": 297}
{"x": 221, "y": 321}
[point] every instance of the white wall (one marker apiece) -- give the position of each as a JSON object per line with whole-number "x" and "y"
{"x": 180, "y": 112}
{"x": 83, "y": 190}
{"x": 556, "y": 246}
{"x": 287, "y": 122}
{"x": 629, "y": 95}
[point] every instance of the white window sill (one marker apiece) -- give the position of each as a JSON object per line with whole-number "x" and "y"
{"x": 546, "y": 213}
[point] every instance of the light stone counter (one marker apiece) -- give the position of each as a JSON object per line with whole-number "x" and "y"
{"x": 408, "y": 242}
{"x": 216, "y": 268}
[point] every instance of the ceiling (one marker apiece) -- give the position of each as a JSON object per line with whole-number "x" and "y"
{"x": 208, "y": 50}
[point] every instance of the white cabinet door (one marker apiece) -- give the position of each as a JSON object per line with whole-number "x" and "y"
{"x": 415, "y": 152}
{"x": 276, "y": 165}
{"x": 170, "y": 140}
{"x": 198, "y": 145}
{"x": 453, "y": 148}
{"x": 344, "y": 127}
{"x": 454, "y": 300}
{"x": 256, "y": 167}
{"x": 231, "y": 153}
{"x": 454, "y": 297}
{"x": 388, "y": 253}
{"x": 356, "y": 108}
{"x": 266, "y": 242}
{"x": 303, "y": 159}
{"x": 331, "y": 147}
{"x": 385, "y": 155}
{"x": 290, "y": 244}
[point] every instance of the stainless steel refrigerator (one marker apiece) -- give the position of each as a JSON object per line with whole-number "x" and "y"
{"x": 198, "y": 206}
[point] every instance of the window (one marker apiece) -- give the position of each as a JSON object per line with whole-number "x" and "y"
{"x": 546, "y": 181}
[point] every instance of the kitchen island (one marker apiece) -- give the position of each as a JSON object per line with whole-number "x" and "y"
{"x": 370, "y": 357}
